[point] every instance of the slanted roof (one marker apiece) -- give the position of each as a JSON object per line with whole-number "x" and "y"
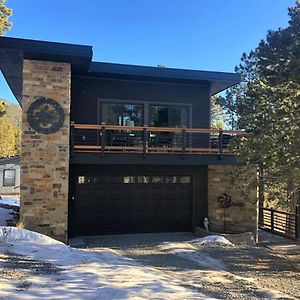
{"x": 10, "y": 160}
{"x": 218, "y": 81}
{"x": 13, "y": 51}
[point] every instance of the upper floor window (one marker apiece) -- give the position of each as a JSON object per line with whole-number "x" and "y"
{"x": 9, "y": 177}
{"x": 169, "y": 116}
{"x": 122, "y": 114}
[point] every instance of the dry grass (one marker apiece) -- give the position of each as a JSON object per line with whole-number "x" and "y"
{"x": 20, "y": 225}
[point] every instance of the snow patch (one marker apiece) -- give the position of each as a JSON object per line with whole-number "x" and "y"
{"x": 189, "y": 251}
{"x": 177, "y": 247}
{"x": 212, "y": 239}
{"x": 14, "y": 234}
{"x": 85, "y": 274}
{"x": 10, "y": 201}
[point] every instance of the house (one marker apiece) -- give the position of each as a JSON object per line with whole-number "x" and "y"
{"x": 10, "y": 175}
{"x": 112, "y": 148}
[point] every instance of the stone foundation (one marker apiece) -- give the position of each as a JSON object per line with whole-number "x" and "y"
{"x": 45, "y": 157}
{"x": 243, "y": 213}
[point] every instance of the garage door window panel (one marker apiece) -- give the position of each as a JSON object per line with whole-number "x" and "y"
{"x": 171, "y": 179}
{"x": 185, "y": 179}
{"x": 157, "y": 179}
{"x": 115, "y": 179}
{"x": 129, "y": 179}
{"x": 143, "y": 179}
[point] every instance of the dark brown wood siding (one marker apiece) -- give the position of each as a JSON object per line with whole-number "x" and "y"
{"x": 87, "y": 91}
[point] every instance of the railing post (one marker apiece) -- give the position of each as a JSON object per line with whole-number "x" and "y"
{"x": 260, "y": 216}
{"x": 72, "y": 139}
{"x": 221, "y": 144}
{"x": 297, "y": 221}
{"x": 145, "y": 141}
{"x": 272, "y": 219}
{"x": 103, "y": 139}
{"x": 183, "y": 142}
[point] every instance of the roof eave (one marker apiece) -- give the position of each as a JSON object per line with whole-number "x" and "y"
{"x": 218, "y": 81}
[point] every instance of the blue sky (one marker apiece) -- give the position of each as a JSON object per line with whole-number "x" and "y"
{"x": 192, "y": 34}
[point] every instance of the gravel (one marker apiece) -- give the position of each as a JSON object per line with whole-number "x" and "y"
{"x": 243, "y": 273}
{"x": 18, "y": 267}
{"x": 219, "y": 271}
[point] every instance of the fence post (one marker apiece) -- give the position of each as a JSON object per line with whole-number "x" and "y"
{"x": 297, "y": 219}
{"x": 272, "y": 219}
{"x": 260, "y": 216}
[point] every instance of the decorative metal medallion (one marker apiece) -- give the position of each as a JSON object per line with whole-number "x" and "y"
{"x": 45, "y": 115}
{"x": 224, "y": 200}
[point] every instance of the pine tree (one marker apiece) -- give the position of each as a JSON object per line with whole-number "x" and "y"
{"x": 217, "y": 113}
{"x": 267, "y": 103}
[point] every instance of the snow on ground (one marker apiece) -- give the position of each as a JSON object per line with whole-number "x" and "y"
{"x": 10, "y": 201}
{"x": 4, "y": 215}
{"x": 85, "y": 274}
{"x": 212, "y": 239}
{"x": 189, "y": 251}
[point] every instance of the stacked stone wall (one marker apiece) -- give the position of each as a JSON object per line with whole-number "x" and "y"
{"x": 240, "y": 185}
{"x": 45, "y": 157}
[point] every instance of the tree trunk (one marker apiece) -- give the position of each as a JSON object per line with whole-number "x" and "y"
{"x": 261, "y": 186}
{"x": 261, "y": 191}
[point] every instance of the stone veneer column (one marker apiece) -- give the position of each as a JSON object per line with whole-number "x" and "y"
{"x": 242, "y": 215}
{"x": 45, "y": 157}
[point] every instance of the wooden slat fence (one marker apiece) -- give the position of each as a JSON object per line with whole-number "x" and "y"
{"x": 280, "y": 222}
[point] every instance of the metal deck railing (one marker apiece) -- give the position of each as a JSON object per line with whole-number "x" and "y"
{"x": 148, "y": 139}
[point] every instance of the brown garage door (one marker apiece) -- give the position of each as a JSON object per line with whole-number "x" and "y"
{"x": 132, "y": 204}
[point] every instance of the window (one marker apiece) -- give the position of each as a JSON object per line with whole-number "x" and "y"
{"x": 171, "y": 179}
{"x": 91, "y": 179}
{"x": 184, "y": 179}
{"x": 81, "y": 179}
{"x": 9, "y": 177}
{"x": 169, "y": 116}
{"x": 143, "y": 179}
{"x": 115, "y": 179}
{"x": 157, "y": 179}
{"x": 122, "y": 114}
{"x": 85, "y": 179}
{"x": 128, "y": 179}
{"x": 140, "y": 179}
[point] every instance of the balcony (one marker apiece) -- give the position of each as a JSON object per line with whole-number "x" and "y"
{"x": 145, "y": 140}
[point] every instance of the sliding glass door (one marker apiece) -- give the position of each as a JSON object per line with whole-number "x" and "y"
{"x": 122, "y": 114}
{"x": 168, "y": 116}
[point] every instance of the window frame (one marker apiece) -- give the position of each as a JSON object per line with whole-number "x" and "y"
{"x": 120, "y": 102}
{"x": 146, "y": 108}
{"x": 169, "y": 106}
{"x": 4, "y": 178}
